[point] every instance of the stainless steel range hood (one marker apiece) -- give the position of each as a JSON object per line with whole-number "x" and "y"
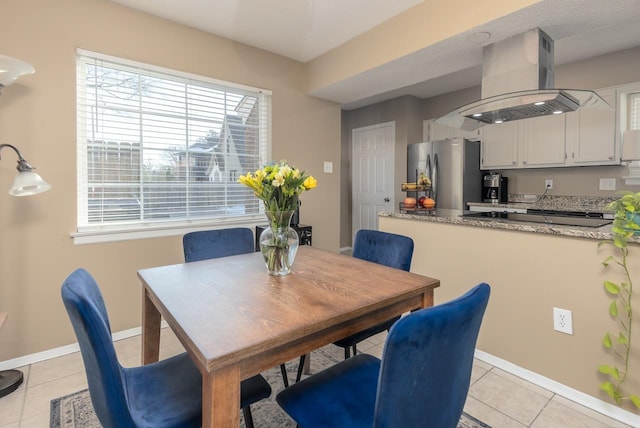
{"x": 517, "y": 83}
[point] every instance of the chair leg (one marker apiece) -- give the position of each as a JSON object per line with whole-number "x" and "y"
{"x": 347, "y": 351}
{"x": 303, "y": 358}
{"x": 285, "y": 378}
{"x": 248, "y": 419}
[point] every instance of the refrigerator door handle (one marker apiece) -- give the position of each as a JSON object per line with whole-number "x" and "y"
{"x": 428, "y": 169}
{"x": 434, "y": 178}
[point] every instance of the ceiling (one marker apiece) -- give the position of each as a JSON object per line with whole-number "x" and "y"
{"x": 305, "y": 29}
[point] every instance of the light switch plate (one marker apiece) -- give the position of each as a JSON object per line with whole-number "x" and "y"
{"x": 328, "y": 167}
{"x": 607, "y": 184}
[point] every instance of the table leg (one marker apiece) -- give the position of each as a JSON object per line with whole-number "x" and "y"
{"x": 221, "y": 398}
{"x": 150, "y": 330}
{"x": 307, "y": 365}
{"x": 427, "y": 299}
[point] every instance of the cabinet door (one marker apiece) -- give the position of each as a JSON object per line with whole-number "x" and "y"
{"x": 437, "y": 132}
{"x": 500, "y": 146}
{"x": 543, "y": 141}
{"x": 469, "y": 135}
{"x": 591, "y": 134}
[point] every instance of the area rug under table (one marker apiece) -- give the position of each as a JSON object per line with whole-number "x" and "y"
{"x": 76, "y": 411}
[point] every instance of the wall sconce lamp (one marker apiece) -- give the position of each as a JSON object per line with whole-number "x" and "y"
{"x": 631, "y": 153}
{"x": 11, "y": 69}
{"x": 26, "y": 183}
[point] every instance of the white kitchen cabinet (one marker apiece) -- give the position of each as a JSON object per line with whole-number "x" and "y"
{"x": 583, "y": 137}
{"x": 499, "y": 146}
{"x": 542, "y": 141}
{"x": 532, "y": 143}
{"x": 591, "y": 134}
{"x": 436, "y": 132}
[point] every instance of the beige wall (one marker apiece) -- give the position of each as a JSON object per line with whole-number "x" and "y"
{"x": 38, "y": 115}
{"x": 529, "y": 275}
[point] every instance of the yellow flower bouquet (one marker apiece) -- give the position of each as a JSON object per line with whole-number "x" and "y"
{"x": 279, "y": 185}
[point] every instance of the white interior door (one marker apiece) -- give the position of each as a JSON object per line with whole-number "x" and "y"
{"x": 372, "y": 174}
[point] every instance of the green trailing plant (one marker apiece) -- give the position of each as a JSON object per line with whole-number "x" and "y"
{"x": 626, "y": 210}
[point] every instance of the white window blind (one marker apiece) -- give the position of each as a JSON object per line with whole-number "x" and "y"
{"x": 157, "y": 145}
{"x": 634, "y": 110}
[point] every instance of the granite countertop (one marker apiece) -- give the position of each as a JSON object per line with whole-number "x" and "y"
{"x": 455, "y": 217}
{"x": 591, "y": 204}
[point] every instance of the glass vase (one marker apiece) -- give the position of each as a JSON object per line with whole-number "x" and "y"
{"x": 279, "y": 243}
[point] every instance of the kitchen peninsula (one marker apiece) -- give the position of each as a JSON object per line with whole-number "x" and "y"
{"x": 457, "y": 217}
{"x": 531, "y": 268}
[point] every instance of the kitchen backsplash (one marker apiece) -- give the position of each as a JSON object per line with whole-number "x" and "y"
{"x": 555, "y": 202}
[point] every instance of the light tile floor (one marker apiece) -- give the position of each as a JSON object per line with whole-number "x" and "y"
{"x": 495, "y": 397}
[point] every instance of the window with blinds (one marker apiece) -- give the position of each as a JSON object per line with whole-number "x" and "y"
{"x": 157, "y": 146}
{"x": 634, "y": 110}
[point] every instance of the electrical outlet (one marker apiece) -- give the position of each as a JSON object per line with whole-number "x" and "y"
{"x": 548, "y": 184}
{"x": 562, "y": 321}
{"x": 607, "y": 184}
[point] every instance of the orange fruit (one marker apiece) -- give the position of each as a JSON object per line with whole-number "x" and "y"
{"x": 410, "y": 202}
{"x": 428, "y": 203}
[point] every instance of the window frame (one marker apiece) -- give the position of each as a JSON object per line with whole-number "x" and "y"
{"x": 623, "y": 107}
{"x": 104, "y": 232}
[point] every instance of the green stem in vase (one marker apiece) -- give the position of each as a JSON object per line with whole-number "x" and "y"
{"x": 276, "y": 249}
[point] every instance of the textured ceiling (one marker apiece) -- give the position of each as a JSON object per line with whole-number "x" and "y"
{"x": 297, "y": 29}
{"x": 304, "y": 29}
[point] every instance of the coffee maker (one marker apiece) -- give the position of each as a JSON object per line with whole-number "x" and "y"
{"x": 494, "y": 188}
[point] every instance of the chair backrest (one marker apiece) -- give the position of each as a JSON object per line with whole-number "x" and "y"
{"x": 211, "y": 244}
{"x": 88, "y": 314}
{"x": 383, "y": 248}
{"x": 427, "y": 361}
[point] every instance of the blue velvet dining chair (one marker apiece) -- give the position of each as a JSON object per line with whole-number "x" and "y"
{"x": 384, "y": 248}
{"x": 387, "y": 249}
{"x": 422, "y": 380}
{"x": 212, "y": 244}
{"x": 167, "y": 393}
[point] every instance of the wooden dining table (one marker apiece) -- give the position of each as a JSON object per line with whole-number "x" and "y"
{"x": 235, "y": 320}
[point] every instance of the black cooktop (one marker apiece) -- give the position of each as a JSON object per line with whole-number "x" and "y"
{"x": 561, "y": 218}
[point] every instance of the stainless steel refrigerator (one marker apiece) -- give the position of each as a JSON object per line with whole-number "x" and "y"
{"x": 454, "y": 169}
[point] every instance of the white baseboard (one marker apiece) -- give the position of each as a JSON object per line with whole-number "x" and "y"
{"x": 574, "y": 395}
{"x": 64, "y": 350}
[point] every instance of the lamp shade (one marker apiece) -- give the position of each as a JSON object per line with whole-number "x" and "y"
{"x": 631, "y": 145}
{"x": 11, "y": 69}
{"x": 28, "y": 183}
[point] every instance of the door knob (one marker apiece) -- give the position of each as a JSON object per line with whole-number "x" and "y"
{"x": 386, "y": 199}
